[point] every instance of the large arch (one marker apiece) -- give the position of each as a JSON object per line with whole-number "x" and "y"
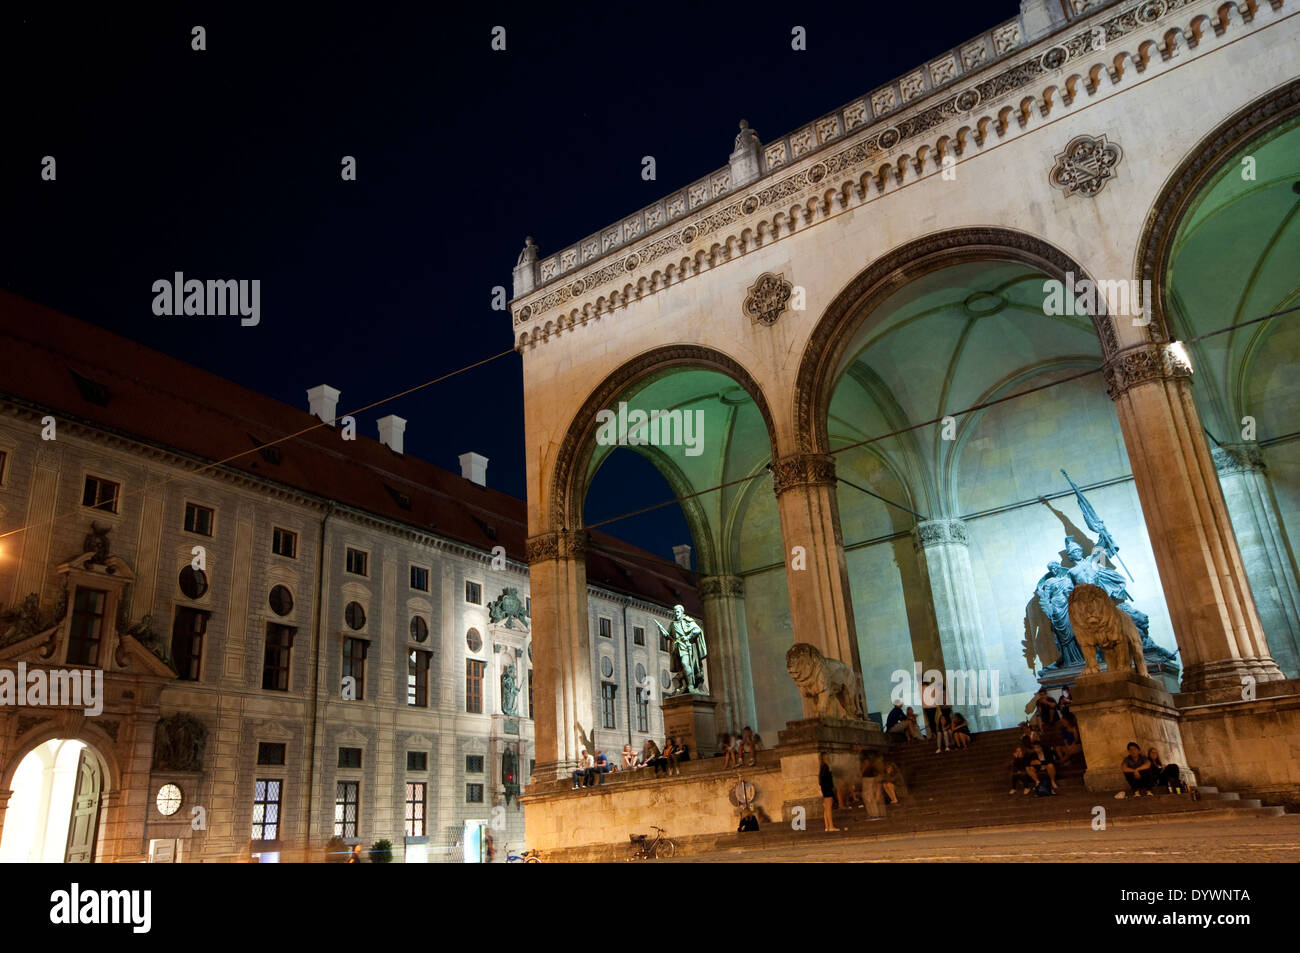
{"x": 886, "y": 275}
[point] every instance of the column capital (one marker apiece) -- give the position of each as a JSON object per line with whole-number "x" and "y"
{"x": 565, "y": 544}
{"x": 1144, "y": 363}
{"x": 802, "y": 469}
{"x": 929, "y": 533}
{"x": 711, "y": 587}
{"x": 1238, "y": 458}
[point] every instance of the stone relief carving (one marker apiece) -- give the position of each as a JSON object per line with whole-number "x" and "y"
{"x": 934, "y": 532}
{"x": 803, "y": 469}
{"x": 767, "y": 298}
{"x": 1085, "y": 166}
{"x": 1142, "y": 364}
{"x": 179, "y": 743}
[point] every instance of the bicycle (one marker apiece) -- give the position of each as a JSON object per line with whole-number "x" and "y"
{"x": 643, "y": 847}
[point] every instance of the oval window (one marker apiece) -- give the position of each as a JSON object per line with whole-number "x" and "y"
{"x": 355, "y": 615}
{"x": 473, "y": 640}
{"x": 281, "y": 600}
{"x": 194, "y": 582}
{"x": 607, "y": 666}
{"x": 419, "y": 628}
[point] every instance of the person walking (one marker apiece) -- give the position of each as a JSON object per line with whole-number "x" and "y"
{"x": 826, "y": 780}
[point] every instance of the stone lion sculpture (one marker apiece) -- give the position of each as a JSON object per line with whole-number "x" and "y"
{"x": 1099, "y": 625}
{"x": 824, "y": 680}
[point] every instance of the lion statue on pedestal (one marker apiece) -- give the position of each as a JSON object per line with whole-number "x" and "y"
{"x": 824, "y": 680}
{"x": 1099, "y": 624}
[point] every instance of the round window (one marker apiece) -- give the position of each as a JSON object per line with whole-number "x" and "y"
{"x": 281, "y": 600}
{"x": 665, "y": 679}
{"x": 194, "y": 582}
{"x": 607, "y": 666}
{"x": 473, "y": 640}
{"x": 640, "y": 673}
{"x": 169, "y": 800}
{"x": 355, "y": 615}
{"x": 419, "y": 628}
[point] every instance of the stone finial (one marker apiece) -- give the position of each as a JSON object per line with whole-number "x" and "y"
{"x": 746, "y": 161}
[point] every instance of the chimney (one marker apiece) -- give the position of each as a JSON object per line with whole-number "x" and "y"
{"x": 682, "y": 555}
{"x": 322, "y": 402}
{"x": 391, "y": 429}
{"x": 473, "y": 467}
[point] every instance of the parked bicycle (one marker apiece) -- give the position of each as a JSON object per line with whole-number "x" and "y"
{"x": 645, "y": 847}
{"x": 527, "y": 857}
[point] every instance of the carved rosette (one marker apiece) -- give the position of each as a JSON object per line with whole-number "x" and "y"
{"x": 715, "y": 587}
{"x": 1143, "y": 364}
{"x": 937, "y": 532}
{"x": 547, "y": 546}
{"x": 1085, "y": 166}
{"x": 768, "y": 298}
{"x": 1238, "y": 458}
{"x": 803, "y": 469}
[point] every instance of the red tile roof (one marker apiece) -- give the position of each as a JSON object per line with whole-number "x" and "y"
{"x": 65, "y": 365}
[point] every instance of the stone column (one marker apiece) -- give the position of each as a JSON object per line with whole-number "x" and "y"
{"x": 944, "y": 544}
{"x": 1201, "y": 571}
{"x": 729, "y": 671}
{"x": 557, "y": 571}
{"x": 821, "y": 610}
{"x": 1270, "y": 566}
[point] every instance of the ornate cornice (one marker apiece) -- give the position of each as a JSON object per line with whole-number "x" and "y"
{"x": 938, "y": 532}
{"x": 1238, "y": 458}
{"x": 557, "y": 545}
{"x": 803, "y": 469}
{"x": 1143, "y": 364}
{"x": 886, "y": 141}
{"x": 713, "y": 587}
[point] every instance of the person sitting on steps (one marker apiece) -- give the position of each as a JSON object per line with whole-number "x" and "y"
{"x": 960, "y": 730}
{"x": 1165, "y": 774}
{"x": 1022, "y": 772}
{"x": 1069, "y": 746}
{"x": 942, "y": 732}
{"x": 1043, "y": 760}
{"x": 1137, "y": 772}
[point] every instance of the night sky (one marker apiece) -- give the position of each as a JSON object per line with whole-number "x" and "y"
{"x": 226, "y": 164}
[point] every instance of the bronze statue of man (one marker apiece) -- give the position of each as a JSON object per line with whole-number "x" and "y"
{"x": 690, "y": 649}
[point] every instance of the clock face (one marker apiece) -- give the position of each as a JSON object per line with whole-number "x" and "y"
{"x": 169, "y": 800}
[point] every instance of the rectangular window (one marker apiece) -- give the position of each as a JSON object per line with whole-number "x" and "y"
{"x": 358, "y": 562}
{"x": 642, "y": 714}
{"x": 473, "y": 764}
{"x": 349, "y": 757}
{"x": 420, "y": 578}
{"x": 346, "y": 808}
{"x": 270, "y": 752}
{"x": 473, "y": 593}
{"x": 275, "y": 660}
{"x": 474, "y": 793}
{"x": 266, "y": 808}
{"x": 417, "y": 761}
{"x": 530, "y": 693}
{"x": 606, "y": 628}
{"x": 284, "y": 543}
{"x": 187, "y": 641}
{"x": 100, "y": 494}
{"x": 638, "y": 635}
{"x": 607, "y": 711}
{"x": 87, "y": 626}
{"x": 354, "y": 665}
{"x": 417, "y": 678}
{"x": 474, "y": 686}
{"x": 415, "y": 797}
{"x": 198, "y": 519}
{"x": 664, "y": 644}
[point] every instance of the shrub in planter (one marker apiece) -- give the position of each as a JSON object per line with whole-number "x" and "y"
{"x": 381, "y": 852}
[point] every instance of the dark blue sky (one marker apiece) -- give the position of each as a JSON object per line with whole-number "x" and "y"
{"x": 225, "y": 164}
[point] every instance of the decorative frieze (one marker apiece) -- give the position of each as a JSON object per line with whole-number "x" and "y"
{"x": 714, "y": 587}
{"x": 560, "y": 545}
{"x": 1238, "y": 458}
{"x": 1143, "y": 364}
{"x": 803, "y": 469}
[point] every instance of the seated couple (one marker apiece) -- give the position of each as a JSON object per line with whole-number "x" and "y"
{"x": 1144, "y": 772}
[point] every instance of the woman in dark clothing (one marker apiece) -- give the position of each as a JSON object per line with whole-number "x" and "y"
{"x": 1166, "y": 774}
{"x": 827, "y": 783}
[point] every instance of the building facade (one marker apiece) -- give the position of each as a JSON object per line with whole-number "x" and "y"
{"x": 320, "y": 638}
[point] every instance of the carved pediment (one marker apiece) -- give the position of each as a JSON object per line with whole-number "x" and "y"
{"x": 132, "y": 657}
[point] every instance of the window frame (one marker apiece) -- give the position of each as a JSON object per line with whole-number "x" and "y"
{"x": 428, "y": 575}
{"x": 278, "y": 801}
{"x": 609, "y": 705}
{"x": 345, "y": 762}
{"x": 278, "y": 532}
{"x": 96, "y": 620}
{"x": 269, "y": 749}
{"x": 417, "y": 826}
{"x": 197, "y": 639}
{"x": 284, "y": 652}
{"x": 604, "y": 627}
{"x": 638, "y": 635}
{"x": 417, "y": 682}
{"x": 354, "y": 664}
{"x": 364, "y": 554}
{"x": 473, "y": 788}
{"x": 478, "y": 592}
{"x": 196, "y": 508}
{"x": 475, "y": 669}
{"x": 344, "y": 786}
{"x": 99, "y": 505}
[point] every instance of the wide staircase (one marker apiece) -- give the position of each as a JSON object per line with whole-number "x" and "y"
{"x": 967, "y": 788}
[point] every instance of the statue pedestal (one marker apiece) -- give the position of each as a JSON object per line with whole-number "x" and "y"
{"x": 1115, "y": 708}
{"x": 802, "y": 743}
{"x": 1167, "y": 673}
{"x": 692, "y": 718}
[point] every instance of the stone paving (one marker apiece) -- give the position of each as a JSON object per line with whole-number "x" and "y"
{"x": 1258, "y": 839}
